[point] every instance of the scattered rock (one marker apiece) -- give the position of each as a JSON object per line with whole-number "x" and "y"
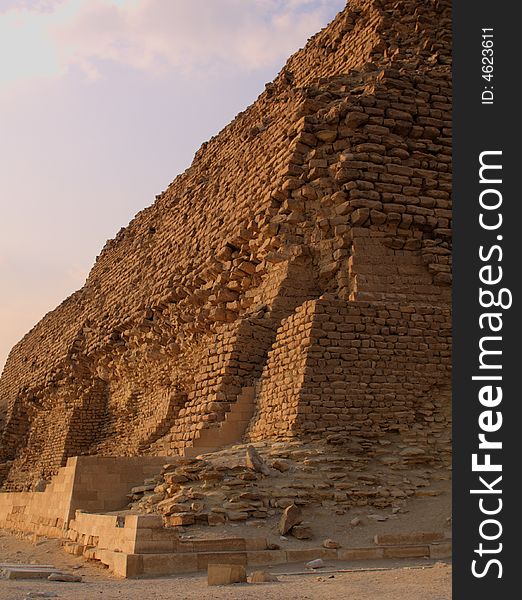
{"x": 228, "y": 487}
{"x": 377, "y": 517}
{"x": 180, "y": 519}
{"x": 237, "y": 515}
{"x": 280, "y": 465}
{"x": 315, "y": 564}
{"x": 254, "y": 461}
{"x": 140, "y": 489}
{"x": 328, "y": 543}
{"x": 292, "y": 515}
{"x": 171, "y": 505}
{"x": 262, "y": 577}
{"x": 302, "y": 532}
{"x": 68, "y": 577}
{"x": 216, "y": 518}
{"x": 175, "y": 478}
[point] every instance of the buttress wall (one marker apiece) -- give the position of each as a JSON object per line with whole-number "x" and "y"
{"x": 375, "y": 371}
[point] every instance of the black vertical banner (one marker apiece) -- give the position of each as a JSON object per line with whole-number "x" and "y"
{"x": 487, "y": 430}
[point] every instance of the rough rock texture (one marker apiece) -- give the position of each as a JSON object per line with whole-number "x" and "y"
{"x": 291, "y": 516}
{"x": 340, "y": 474}
{"x": 306, "y": 253}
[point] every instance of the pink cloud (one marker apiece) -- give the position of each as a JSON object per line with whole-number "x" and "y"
{"x": 188, "y": 35}
{"x": 45, "y": 38}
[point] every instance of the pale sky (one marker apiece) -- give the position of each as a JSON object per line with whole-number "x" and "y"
{"x": 102, "y": 104}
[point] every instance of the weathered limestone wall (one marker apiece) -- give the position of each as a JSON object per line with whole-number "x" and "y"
{"x": 43, "y": 512}
{"x": 89, "y": 483}
{"x": 369, "y": 30}
{"x": 234, "y": 357}
{"x": 373, "y": 369}
{"x": 336, "y": 180}
{"x": 383, "y": 267}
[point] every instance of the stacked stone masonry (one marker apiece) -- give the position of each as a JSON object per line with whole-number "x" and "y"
{"x": 375, "y": 369}
{"x": 323, "y": 207}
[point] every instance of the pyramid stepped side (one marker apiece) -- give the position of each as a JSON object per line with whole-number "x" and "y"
{"x": 335, "y": 181}
{"x": 229, "y": 431}
{"x": 374, "y": 372}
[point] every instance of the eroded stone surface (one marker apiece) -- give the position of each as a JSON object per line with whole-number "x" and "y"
{"x": 293, "y": 282}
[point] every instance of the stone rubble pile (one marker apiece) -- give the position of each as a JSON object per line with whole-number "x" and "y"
{"x": 225, "y": 487}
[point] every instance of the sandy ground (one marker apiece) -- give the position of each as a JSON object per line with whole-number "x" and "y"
{"x": 406, "y": 583}
{"x": 402, "y": 580}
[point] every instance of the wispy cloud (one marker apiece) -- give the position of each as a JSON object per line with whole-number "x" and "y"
{"x": 29, "y": 5}
{"x": 45, "y": 38}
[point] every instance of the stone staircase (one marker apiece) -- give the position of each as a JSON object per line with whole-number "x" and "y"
{"x": 230, "y": 430}
{"x": 140, "y": 546}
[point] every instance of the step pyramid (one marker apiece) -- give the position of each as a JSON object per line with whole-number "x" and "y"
{"x": 305, "y": 253}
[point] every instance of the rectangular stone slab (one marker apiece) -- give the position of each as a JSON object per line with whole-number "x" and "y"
{"x": 401, "y": 539}
{"x": 24, "y": 566}
{"x": 28, "y": 573}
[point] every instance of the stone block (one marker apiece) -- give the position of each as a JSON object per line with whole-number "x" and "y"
{"x": 266, "y": 557}
{"x": 66, "y": 577}
{"x": 204, "y": 559}
{"x": 394, "y": 539}
{"x": 144, "y": 521}
{"x": 262, "y": 577}
{"x": 166, "y": 564}
{"x": 74, "y": 549}
{"x": 27, "y": 572}
{"x": 225, "y": 574}
{"x": 216, "y": 519}
{"x": 216, "y": 545}
{"x": 441, "y": 550}
{"x": 154, "y": 546}
{"x": 180, "y": 520}
{"x": 360, "y": 553}
{"x": 406, "y": 551}
{"x": 255, "y": 543}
